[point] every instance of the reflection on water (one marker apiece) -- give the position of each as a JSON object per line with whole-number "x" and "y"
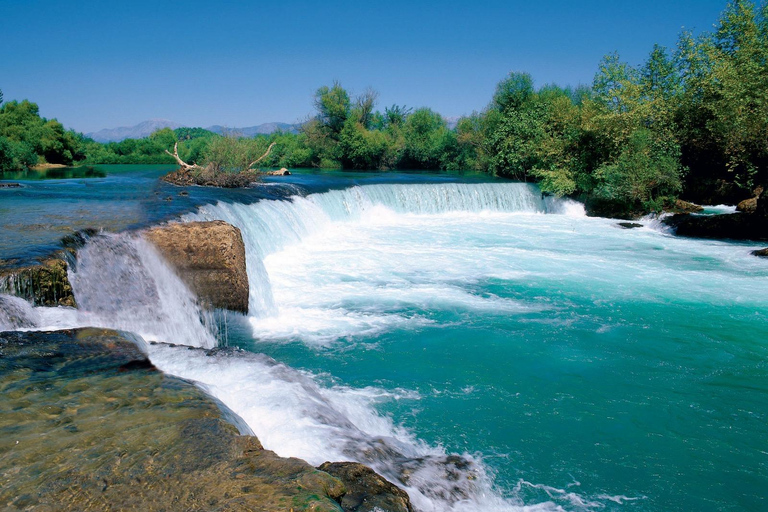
{"x": 56, "y": 173}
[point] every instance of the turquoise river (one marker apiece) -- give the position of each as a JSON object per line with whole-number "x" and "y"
{"x": 483, "y": 346}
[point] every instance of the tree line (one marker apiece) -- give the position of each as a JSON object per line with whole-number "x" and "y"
{"x": 692, "y": 120}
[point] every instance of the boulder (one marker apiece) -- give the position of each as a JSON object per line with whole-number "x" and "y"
{"x": 763, "y": 253}
{"x": 87, "y": 423}
{"x": 366, "y": 491}
{"x": 281, "y": 172}
{"x": 681, "y": 206}
{"x": 209, "y": 257}
{"x": 747, "y": 205}
{"x": 750, "y": 205}
{"x": 43, "y": 284}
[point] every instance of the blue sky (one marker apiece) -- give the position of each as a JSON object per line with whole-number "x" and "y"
{"x": 97, "y": 64}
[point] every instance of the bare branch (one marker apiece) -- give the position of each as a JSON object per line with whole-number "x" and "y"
{"x": 184, "y": 165}
{"x": 262, "y": 157}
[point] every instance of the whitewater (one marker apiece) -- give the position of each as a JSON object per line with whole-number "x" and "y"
{"x": 481, "y": 345}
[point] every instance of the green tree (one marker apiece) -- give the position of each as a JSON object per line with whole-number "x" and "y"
{"x": 426, "y": 138}
{"x": 333, "y": 106}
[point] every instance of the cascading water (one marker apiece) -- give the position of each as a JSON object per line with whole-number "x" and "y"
{"x": 269, "y": 226}
{"x": 292, "y": 413}
{"x": 121, "y": 282}
{"x": 459, "y": 314}
{"x": 16, "y": 313}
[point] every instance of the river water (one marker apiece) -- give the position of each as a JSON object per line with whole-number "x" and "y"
{"x": 482, "y": 346}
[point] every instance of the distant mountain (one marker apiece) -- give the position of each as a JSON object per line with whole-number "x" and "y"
{"x": 146, "y": 128}
{"x": 261, "y": 129}
{"x": 139, "y": 131}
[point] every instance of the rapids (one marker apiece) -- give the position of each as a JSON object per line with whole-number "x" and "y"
{"x": 483, "y": 346}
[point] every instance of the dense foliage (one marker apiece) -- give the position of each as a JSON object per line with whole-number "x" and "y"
{"x": 691, "y": 121}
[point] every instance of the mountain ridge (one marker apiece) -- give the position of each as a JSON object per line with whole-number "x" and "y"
{"x": 146, "y": 128}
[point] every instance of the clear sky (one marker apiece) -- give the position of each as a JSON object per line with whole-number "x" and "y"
{"x": 102, "y": 64}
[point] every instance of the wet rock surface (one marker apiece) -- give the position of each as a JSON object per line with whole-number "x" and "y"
{"x": 44, "y": 284}
{"x": 87, "y": 423}
{"x": 751, "y": 223}
{"x": 736, "y": 226}
{"x": 629, "y": 225}
{"x": 210, "y": 259}
{"x": 366, "y": 491}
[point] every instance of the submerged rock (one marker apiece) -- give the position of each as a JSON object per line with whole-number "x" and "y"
{"x": 87, "y": 423}
{"x": 366, "y": 491}
{"x": 629, "y": 225}
{"x": 209, "y": 257}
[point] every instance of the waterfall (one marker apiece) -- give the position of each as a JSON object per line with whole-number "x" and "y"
{"x": 269, "y": 226}
{"x": 16, "y": 313}
{"x": 121, "y": 282}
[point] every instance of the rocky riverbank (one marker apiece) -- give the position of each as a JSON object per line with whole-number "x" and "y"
{"x": 751, "y": 223}
{"x": 87, "y": 423}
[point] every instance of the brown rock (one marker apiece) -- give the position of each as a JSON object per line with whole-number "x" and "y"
{"x": 281, "y": 172}
{"x": 366, "y": 490}
{"x": 763, "y": 253}
{"x": 87, "y": 423}
{"x": 681, "y": 206}
{"x": 209, "y": 257}
{"x": 747, "y": 205}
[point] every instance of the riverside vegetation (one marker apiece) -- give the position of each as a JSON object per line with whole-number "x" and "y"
{"x": 690, "y": 122}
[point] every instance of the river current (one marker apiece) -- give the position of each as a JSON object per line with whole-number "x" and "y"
{"x": 481, "y": 346}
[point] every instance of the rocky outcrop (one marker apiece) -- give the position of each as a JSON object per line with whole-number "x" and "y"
{"x": 87, "y": 423}
{"x": 737, "y": 226}
{"x": 44, "y": 284}
{"x": 209, "y": 257}
{"x": 747, "y": 205}
{"x": 281, "y": 172}
{"x": 680, "y": 206}
{"x": 763, "y": 253}
{"x": 366, "y": 491}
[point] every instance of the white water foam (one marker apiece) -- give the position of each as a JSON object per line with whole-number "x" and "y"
{"x": 16, "y": 313}
{"x": 295, "y": 416}
{"x": 315, "y": 263}
{"x": 121, "y": 282}
{"x": 269, "y": 227}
